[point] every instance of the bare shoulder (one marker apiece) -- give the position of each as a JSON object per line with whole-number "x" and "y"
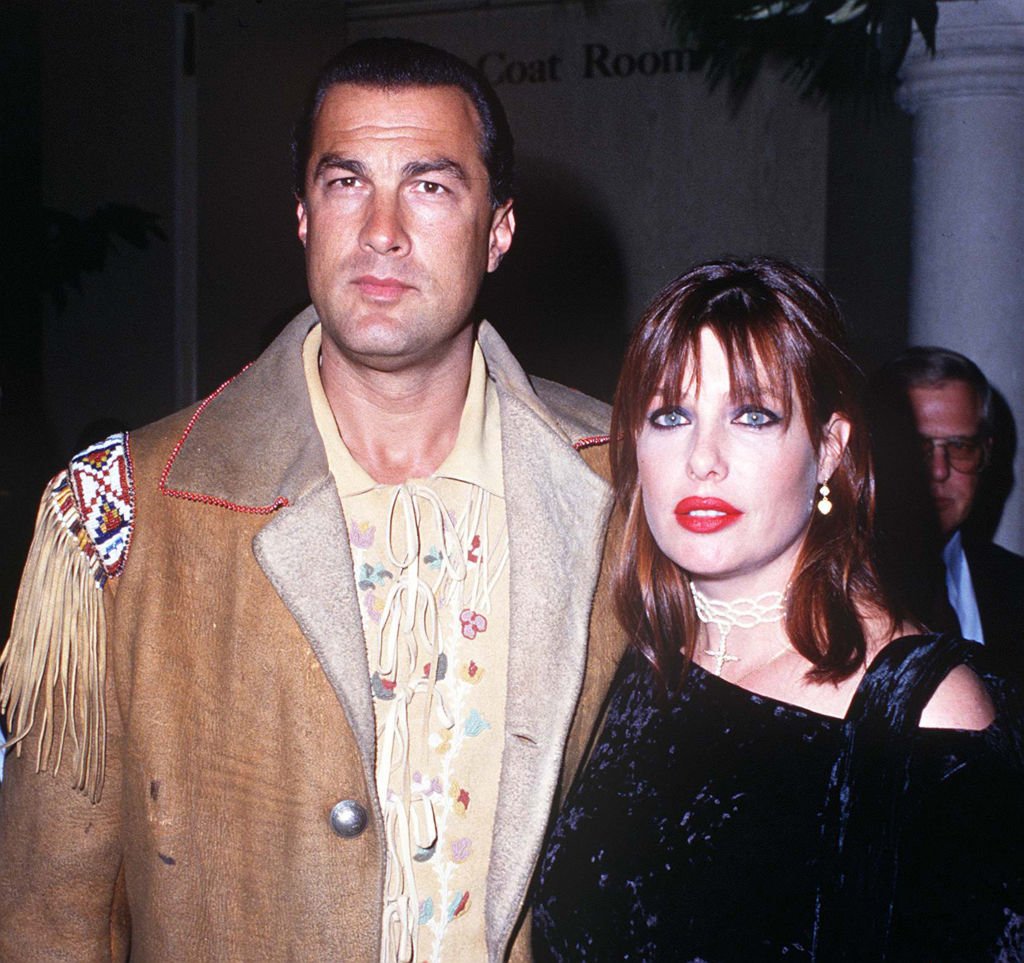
{"x": 960, "y": 702}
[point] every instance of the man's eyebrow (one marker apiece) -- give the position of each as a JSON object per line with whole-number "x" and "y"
{"x": 977, "y": 436}
{"x": 338, "y": 162}
{"x": 443, "y": 165}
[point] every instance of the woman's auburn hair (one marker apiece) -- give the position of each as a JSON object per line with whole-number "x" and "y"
{"x": 776, "y": 321}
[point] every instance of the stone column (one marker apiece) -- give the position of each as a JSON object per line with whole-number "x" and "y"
{"x": 967, "y": 274}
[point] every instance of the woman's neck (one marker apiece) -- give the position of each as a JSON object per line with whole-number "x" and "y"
{"x": 741, "y": 633}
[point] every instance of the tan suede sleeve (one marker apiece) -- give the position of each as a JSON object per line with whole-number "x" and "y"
{"x": 60, "y": 861}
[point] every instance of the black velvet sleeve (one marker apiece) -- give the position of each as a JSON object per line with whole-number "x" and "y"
{"x": 922, "y": 846}
{"x": 959, "y": 888}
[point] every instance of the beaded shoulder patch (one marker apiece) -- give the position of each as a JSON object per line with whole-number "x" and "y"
{"x": 53, "y": 668}
{"x": 100, "y": 478}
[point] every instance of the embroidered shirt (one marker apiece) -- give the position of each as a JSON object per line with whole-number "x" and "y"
{"x": 431, "y": 566}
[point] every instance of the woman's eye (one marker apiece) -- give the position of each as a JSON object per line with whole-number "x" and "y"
{"x": 757, "y": 418}
{"x": 667, "y": 418}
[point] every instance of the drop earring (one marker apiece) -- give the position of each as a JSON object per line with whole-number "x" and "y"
{"x": 824, "y": 505}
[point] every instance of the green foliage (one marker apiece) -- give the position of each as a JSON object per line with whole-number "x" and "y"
{"x": 833, "y": 50}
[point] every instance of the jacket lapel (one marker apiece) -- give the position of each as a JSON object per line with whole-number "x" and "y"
{"x": 304, "y": 552}
{"x": 556, "y": 511}
{"x": 225, "y": 457}
{"x": 243, "y": 450}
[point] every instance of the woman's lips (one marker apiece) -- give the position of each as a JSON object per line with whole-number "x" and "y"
{"x": 706, "y": 515}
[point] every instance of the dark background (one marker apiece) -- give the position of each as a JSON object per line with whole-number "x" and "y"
{"x": 92, "y": 99}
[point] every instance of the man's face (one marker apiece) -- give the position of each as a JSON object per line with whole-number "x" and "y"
{"x": 948, "y": 409}
{"x": 397, "y": 222}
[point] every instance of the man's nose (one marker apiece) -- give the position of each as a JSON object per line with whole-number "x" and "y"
{"x": 384, "y": 230}
{"x": 938, "y": 463}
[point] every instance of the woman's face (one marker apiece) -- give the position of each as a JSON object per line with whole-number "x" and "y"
{"x": 728, "y": 488}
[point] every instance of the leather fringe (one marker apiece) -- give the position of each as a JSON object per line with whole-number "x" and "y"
{"x": 54, "y": 665}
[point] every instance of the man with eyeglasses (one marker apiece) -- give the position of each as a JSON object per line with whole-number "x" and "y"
{"x": 949, "y": 401}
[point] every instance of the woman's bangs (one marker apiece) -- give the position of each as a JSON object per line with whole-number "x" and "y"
{"x": 759, "y": 371}
{"x": 673, "y": 353}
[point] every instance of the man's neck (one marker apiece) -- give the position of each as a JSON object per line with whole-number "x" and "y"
{"x": 403, "y": 423}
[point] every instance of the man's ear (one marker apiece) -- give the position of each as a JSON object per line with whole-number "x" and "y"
{"x": 833, "y": 444}
{"x": 503, "y": 226}
{"x": 300, "y": 213}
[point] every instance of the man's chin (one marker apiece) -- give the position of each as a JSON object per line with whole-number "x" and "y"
{"x": 392, "y": 351}
{"x": 950, "y": 520}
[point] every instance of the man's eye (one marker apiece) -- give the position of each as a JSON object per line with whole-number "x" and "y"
{"x": 668, "y": 418}
{"x": 349, "y": 181}
{"x": 962, "y": 447}
{"x": 431, "y": 187}
{"x": 757, "y": 418}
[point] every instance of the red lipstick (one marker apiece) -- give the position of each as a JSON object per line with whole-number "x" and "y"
{"x": 706, "y": 515}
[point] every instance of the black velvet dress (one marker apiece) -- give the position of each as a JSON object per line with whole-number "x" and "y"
{"x": 701, "y": 830}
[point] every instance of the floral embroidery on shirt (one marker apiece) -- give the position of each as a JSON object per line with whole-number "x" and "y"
{"x": 472, "y": 623}
{"x": 427, "y": 788}
{"x": 461, "y": 796}
{"x": 475, "y": 724}
{"x": 458, "y": 905}
{"x": 372, "y": 575}
{"x": 426, "y": 911}
{"x": 433, "y": 558}
{"x": 442, "y": 668}
{"x": 426, "y": 602}
{"x": 361, "y": 534}
{"x": 382, "y": 688}
{"x": 441, "y": 742}
{"x": 461, "y": 849}
{"x": 373, "y": 605}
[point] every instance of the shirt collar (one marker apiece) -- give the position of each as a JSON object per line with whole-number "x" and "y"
{"x": 960, "y": 589}
{"x": 475, "y": 458}
{"x": 953, "y": 554}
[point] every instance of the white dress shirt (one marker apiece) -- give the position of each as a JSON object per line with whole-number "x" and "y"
{"x": 960, "y": 589}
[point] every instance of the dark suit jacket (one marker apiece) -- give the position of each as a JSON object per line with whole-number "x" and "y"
{"x": 998, "y": 578}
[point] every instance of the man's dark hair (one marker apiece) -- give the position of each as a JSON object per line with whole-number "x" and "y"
{"x": 388, "y": 62}
{"x": 929, "y": 366}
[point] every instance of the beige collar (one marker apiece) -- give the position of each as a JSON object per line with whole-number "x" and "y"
{"x": 254, "y": 444}
{"x": 475, "y": 458}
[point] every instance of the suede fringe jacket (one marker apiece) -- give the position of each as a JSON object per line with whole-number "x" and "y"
{"x": 188, "y": 694}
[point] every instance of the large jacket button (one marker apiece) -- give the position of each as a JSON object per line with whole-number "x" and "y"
{"x": 348, "y": 818}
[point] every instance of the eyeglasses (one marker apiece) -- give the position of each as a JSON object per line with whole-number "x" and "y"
{"x": 969, "y": 456}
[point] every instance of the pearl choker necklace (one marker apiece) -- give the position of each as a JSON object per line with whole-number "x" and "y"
{"x": 742, "y": 613}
